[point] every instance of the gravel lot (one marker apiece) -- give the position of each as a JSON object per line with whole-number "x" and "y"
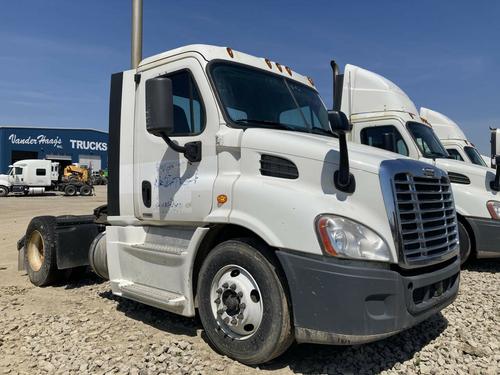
{"x": 82, "y": 328}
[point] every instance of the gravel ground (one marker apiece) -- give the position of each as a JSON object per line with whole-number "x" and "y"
{"x": 81, "y": 328}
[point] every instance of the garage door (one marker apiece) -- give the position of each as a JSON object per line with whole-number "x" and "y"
{"x": 90, "y": 161}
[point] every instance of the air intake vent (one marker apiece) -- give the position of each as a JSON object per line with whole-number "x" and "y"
{"x": 458, "y": 178}
{"x": 274, "y": 166}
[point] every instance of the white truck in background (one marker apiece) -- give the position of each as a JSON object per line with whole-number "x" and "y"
{"x": 36, "y": 176}
{"x": 452, "y": 137}
{"x": 229, "y": 195}
{"x": 383, "y": 116}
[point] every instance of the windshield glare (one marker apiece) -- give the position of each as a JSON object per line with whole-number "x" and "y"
{"x": 251, "y": 97}
{"x": 426, "y": 140}
{"x": 474, "y": 156}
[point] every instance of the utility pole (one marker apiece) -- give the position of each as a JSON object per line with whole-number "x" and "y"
{"x": 136, "y": 56}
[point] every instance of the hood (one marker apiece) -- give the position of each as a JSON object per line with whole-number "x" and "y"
{"x": 315, "y": 147}
{"x": 443, "y": 126}
{"x": 479, "y": 176}
{"x": 367, "y": 92}
{"x": 4, "y": 177}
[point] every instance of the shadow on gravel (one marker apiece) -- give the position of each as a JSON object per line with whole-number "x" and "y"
{"x": 482, "y": 265}
{"x": 362, "y": 359}
{"x": 156, "y": 318}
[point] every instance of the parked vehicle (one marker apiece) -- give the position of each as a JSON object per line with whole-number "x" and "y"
{"x": 230, "y": 195}
{"x": 34, "y": 177}
{"x": 452, "y": 137}
{"x": 383, "y": 116}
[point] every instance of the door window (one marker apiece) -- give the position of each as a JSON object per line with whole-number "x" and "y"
{"x": 18, "y": 171}
{"x": 189, "y": 115}
{"x": 454, "y": 154}
{"x": 384, "y": 137}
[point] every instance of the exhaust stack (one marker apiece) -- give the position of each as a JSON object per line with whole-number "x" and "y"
{"x": 136, "y": 55}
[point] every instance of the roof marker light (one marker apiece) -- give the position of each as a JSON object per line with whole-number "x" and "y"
{"x": 230, "y": 52}
{"x": 279, "y": 67}
{"x": 268, "y": 62}
{"x": 288, "y": 70}
{"x": 310, "y": 81}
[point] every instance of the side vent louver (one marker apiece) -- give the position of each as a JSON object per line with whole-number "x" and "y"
{"x": 458, "y": 178}
{"x": 274, "y": 166}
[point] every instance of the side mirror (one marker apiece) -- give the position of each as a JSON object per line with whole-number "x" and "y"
{"x": 338, "y": 122}
{"x": 159, "y": 107}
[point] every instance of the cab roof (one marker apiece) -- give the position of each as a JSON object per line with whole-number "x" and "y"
{"x": 211, "y": 52}
{"x": 367, "y": 92}
{"x": 444, "y": 127}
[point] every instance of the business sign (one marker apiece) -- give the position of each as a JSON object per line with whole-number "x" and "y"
{"x": 57, "y": 142}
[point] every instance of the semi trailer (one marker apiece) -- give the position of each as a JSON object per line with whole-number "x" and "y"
{"x": 383, "y": 116}
{"x": 34, "y": 177}
{"x": 234, "y": 194}
{"x": 452, "y": 137}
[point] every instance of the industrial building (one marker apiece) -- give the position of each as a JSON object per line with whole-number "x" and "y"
{"x": 87, "y": 147}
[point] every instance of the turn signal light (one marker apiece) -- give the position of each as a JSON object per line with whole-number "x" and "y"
{"x": 279, "y": 67}
{"x": 221, "y": 198}
{"x": 230, "y": 52}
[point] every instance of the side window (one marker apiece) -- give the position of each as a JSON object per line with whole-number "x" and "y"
{"x": 40, "y": 172}
{"x": 189, "y": 115}
{"x": 18, "y": 171}
{"x": 384, "y": 137}
{"x": 454, "y": 154}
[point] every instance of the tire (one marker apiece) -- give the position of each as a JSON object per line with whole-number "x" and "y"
{"x": 40, "y": 257}
{"x": 3, "y": 191}
{"x": 85, "y": 190}
{"x": 70, "y": 190}
{"x": 465, "y": 243}
{"x": 256, "y": 325}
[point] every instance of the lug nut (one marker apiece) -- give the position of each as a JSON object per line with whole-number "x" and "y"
{"x": 226, "y": 320}
{"x": 240, "y": 316}
{"x": 242, "y": 306}
{"x": 219, "y": 291}
{"x": 233, "y": 286}
{"x": 220, "y": 312}
{"x": 225, "y": 285}
{"x": 234, "y": 321}
{"x": 217, "y": 301}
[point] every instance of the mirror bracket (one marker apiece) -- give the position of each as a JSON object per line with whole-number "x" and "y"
{"x": 191, "y": 150}
{"x": 343, "y": 178}
{"x": 495, "y": 184}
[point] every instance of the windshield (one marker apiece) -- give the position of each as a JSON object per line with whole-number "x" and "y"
{"x": 252, "y": 97}
{"x": 474, "y": 156}
{"x": 426, "y": 140}
{"x": 10, "y": 170}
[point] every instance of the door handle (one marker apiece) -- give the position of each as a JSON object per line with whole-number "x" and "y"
{"x": 146, "y": 193}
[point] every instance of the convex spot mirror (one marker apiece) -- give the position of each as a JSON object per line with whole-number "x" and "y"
{"x": 159, "y": 106}
{"x": 338, "y": 122}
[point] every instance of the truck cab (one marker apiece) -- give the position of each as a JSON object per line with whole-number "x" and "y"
{"x": 223, "y": 200}
{"x": 27, "y": 176}
{"x": 452, "y": 138}
{"x": 383, "y": 116}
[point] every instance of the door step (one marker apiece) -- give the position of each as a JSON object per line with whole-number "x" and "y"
{"x": 160, "y": 248}
{"x": 154, "y": 297}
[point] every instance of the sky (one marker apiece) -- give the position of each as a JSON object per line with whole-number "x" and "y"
{"x": 57, "y": 55}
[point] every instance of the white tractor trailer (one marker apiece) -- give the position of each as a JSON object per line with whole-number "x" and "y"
{"x": 383, "y": 116}
{"x": 234, "y": 194}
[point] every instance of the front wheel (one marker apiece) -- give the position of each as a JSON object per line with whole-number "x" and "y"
{"x": 3, "y": 191}
{"x": 243, "y": 303}
{"x": 465, "y": 243}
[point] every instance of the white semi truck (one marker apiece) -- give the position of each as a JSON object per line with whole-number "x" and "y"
{"x": 452, "y": 137}
{"x": 34, "y": 177}
{"x": 383, "y": 116}
{"x": 229, "y": 195}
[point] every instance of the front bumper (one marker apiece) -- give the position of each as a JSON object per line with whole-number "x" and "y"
{"x": 346, "y": 303}
{"x": 486, "y": 236}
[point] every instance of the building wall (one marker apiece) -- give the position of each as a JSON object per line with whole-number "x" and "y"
{"x": 65, "y": 145}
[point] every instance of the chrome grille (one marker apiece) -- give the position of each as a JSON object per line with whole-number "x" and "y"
{"x": 426, "y": 217}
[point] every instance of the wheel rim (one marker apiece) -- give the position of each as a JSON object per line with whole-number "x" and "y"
{"x": 236, "y": 302}
{"x": 36, "y": 251}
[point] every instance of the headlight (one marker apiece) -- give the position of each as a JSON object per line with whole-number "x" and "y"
{"x": 494, "y": 209}
{"x": 348, "y": 239}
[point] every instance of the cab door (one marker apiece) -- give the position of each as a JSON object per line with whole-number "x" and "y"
{"x": 167, "y": 187}
{"x": 18, "y": 176}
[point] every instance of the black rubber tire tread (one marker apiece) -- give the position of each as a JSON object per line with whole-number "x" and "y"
{"x": 48, "y": 273}
{"x": 275, "y": 334}
{"x": 4, "y": 191}
{"x": 70, "y": 190}
{"x": 85, "y": 190}
{"x": 465, "y": 243}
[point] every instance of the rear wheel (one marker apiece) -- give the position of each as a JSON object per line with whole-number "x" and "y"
{"x": 465, "y": 243}
{"x": 3, "y": 191}
{"x": 40, "y": 251}
{"x": 243, "y": 303}
{"x": 70, "y": 190}
{"x": 85, "y": 190}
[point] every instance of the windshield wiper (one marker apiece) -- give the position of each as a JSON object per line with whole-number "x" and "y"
{"x": 274, "y": 124}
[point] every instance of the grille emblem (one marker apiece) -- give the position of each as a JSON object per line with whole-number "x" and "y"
{"x": 429, "y": 172}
